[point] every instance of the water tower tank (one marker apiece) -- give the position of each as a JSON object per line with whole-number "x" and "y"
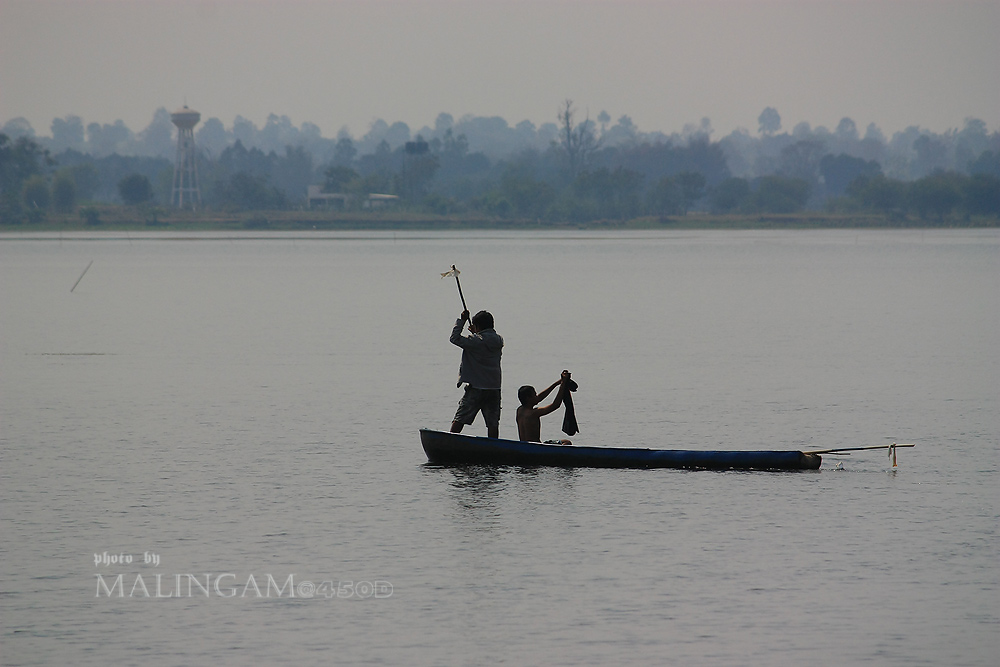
{"x": 185, "y": 118}
{"x": 186, "y": 191}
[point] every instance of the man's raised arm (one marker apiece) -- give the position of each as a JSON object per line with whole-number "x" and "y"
{"x": 559, "y": 396}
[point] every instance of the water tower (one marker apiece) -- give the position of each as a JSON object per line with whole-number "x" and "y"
{"x": 185, "y": 191}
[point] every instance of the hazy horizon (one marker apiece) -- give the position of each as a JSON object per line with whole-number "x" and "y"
{"x": 895, "y": 63}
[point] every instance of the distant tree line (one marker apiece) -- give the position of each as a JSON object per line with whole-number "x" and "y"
{"x": 573, "y": 169}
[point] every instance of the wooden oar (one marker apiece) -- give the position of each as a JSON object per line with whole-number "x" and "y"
{"x": 855, "y": 449}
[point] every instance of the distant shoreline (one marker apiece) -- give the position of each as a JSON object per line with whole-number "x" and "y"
{"x": 159, "y": 219}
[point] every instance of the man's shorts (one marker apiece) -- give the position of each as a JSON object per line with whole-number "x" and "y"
{"x": 474, "y": 400}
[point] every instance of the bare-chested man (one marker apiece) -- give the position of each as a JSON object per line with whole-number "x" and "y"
{"x": 529, "y": 418}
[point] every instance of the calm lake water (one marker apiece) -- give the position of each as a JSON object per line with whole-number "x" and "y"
{"x": 244, "y": 409}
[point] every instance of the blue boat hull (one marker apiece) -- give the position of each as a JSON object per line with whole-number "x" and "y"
{"x": 446, "y": 448}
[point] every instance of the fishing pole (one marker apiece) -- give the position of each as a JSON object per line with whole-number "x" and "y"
{"x": 855, "y": 449}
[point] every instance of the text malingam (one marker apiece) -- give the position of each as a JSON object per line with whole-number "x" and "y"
{"x": 229, "y": 585}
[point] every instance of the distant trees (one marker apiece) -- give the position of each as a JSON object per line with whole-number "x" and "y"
{"x": 344, "y": 152}
{"x": 461, "y": 173}
{"x": 932, "y": 198}
{"x": 981, "y": 194}
{"x": 23, "y": 186}
{"x": 878, "y": 193}
{"x": 64, "y": 191}
{"x": 36, "y": 193}
{"x": 768, "y": 194}
{"x": 158, "y": 137}
{"x": 692, "y": 187}
{"x": 108, "y": 139}
{"x": 338, "y": 178}
{"x": 769, "y": 121}
{"x": 379, "y": 169}
{"x": 675, "y": 195}
{"x": 86, "y": 179}
{"x": 988, "y": 162}
{"x": 212, "y": 137}
{"x": 293, "y": 173}
{"x": 847, "y": 130}
{"x": 578, "y": 140}
{"x": 801, "y": 160}
{"x": 417, "y": 171}
{"x": 839, "y": 170}
{"x": 250, "y": 178}
{"x": 248, "y": 191}
{"x": 936, "y": 195}
{"x": 135, "y": 189}
{"x": 19, "y": 160}
{"x": 779, "y": 194}
{"x": 730, "y": 196}
{"x": 67, "y": 133}
{"x": 609, "y": 194}
{"x": 519, "y": 194}
{"x": 574, "y": 169}
{"x": 97, "y": 179}
{"x": 28, "y": 186}
{"x": 656, "y": 160}
{"x": 664, "y": 198}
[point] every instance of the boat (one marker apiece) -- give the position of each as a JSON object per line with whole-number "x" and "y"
{"x": 444, "y": 448}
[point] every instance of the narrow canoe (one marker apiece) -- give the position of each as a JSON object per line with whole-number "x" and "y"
{"x": 445, "y": 448}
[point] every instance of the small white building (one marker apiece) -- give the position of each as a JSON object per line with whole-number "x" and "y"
{"x": 379, "y": 201}
{"x": 316, "y": 198}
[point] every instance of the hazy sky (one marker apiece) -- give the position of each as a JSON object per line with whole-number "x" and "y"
{"x": 664, "y": 63}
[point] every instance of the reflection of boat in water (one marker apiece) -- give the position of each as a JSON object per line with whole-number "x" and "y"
{"x": 456, "y": 449}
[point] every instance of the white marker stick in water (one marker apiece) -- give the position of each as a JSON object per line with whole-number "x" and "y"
{"x": 81, "y": 277}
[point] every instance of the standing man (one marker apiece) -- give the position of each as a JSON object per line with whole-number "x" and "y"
{"x": 480, "y": 370}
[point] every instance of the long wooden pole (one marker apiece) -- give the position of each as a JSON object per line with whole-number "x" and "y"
{"x": 81, "y": 277}
{"x": 854, "y": 449}
{"x": 459, "y": 283}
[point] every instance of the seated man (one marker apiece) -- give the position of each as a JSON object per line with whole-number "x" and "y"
{"x": 529, "y": 418}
